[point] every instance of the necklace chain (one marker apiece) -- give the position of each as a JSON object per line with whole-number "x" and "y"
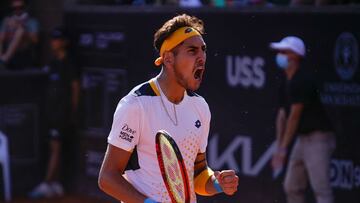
{"x": 175, "y": 122}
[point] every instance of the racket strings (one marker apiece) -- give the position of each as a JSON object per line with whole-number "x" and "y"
{"x": 173, "y": 171}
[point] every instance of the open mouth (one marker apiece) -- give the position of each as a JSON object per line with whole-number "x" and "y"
{"x": 198, "y": 74}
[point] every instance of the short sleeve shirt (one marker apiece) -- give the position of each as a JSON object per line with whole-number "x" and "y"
{"x": 139, "y": 116}
{"x": 303, "y": 88}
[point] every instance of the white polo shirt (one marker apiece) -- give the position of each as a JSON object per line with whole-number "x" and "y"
{"x": 138, "y": 117}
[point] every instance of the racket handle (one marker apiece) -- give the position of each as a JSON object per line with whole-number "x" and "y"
{"x": 217, "y": 186}
{"x": 148, "y": 200}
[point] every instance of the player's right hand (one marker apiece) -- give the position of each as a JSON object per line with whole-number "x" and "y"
{"x": 228, "y": 181}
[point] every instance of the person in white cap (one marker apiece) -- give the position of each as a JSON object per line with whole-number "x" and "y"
{"x": 302, "y": 114}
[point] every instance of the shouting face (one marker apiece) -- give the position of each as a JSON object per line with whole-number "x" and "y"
{"x": 189, "y": 62}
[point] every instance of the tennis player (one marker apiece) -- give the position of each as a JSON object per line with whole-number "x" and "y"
{"x": 130, "y": 170}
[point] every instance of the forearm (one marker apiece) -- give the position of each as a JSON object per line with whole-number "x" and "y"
{"x": 280, "y": 125}
{"x": 204, "y": 177}
{"x": 291, "y": 126}
{"x": 118, "y": 187}
{"x": 111, "y": 180}
{"x": 14, "y": 43}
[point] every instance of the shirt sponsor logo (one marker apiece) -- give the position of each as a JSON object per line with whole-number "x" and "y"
{"x": 127, "y": 133}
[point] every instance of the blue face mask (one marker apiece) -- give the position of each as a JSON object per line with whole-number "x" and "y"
{"x": 282, "y": 61}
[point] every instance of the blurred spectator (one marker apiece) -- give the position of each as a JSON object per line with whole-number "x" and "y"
{"x": 18, "y": 38}
{"x": 302, "y": 115}
{"x": 61, "y": 111}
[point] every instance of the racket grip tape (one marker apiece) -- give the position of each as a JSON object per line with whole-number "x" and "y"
{"x": 217, "y": 186}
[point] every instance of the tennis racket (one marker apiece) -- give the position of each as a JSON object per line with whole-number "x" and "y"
{"x": 172, "y": 168}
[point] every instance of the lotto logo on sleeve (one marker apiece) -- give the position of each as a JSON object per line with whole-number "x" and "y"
{"x": 127, "y": 133}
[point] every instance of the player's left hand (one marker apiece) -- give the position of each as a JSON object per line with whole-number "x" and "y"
{"x": 228, "y": 181}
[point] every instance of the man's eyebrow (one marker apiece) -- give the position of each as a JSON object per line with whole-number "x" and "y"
{"x": 192, "y": 47}
{"x": 196, "y": 47}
